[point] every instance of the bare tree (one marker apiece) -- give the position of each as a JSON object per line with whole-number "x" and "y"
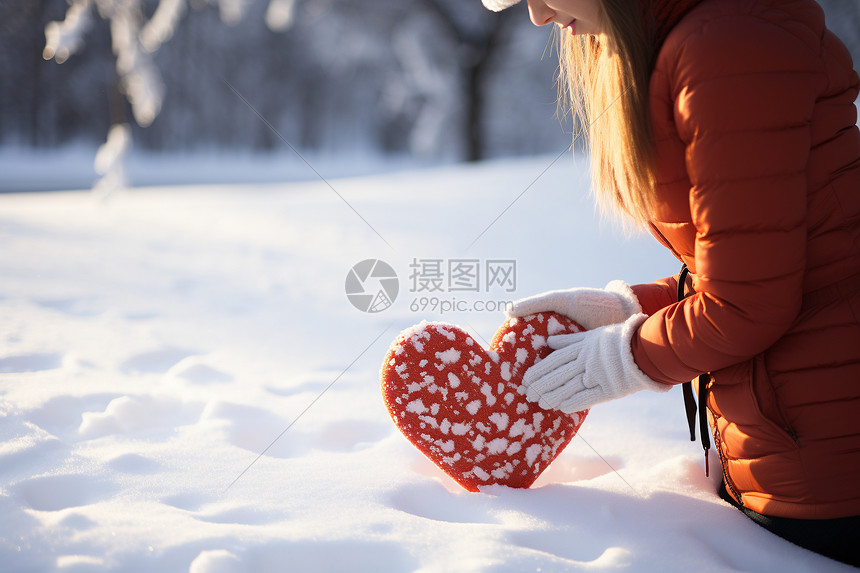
{"x": 478, "y": 38}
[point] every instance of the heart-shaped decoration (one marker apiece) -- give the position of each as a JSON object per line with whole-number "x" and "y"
{"x": 465, "y": 407}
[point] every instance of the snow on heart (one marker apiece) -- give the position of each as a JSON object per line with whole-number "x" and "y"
{"x": 464, "y": 407}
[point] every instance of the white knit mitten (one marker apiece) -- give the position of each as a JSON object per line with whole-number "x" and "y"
{"x": 588, "y": 368}
{"x": 590, "y": 307}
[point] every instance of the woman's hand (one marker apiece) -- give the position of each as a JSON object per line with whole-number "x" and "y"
{"x": 588, "y": 368}
{"x": 589, "y": 307}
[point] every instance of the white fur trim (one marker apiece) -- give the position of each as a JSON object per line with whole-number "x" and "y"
{"x": 498, "y": 5}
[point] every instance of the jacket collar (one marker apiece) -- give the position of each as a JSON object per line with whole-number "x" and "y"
{"x": 666, "y": 14}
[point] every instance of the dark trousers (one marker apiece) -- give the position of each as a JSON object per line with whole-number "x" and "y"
{"x": 838, "y": 538}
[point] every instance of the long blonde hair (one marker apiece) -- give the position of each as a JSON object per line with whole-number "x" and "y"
{"x": 604, "y": 81}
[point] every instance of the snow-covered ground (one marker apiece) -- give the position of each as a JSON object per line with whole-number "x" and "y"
{"x": 71, "y": 167}
{"x": 154, "y": 344}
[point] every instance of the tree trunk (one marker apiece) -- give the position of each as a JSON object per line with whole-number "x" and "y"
{"x": 35, "y": 103}
{"x": 478, "y": 50}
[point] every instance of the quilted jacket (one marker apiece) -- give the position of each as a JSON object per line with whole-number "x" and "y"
{"x": 758, "y": 179}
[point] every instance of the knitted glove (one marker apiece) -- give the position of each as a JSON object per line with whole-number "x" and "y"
{"x": 590, "y": 307}
{"x": 588, "y": 368}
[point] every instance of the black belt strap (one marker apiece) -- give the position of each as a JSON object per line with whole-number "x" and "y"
{"x": 704, "y": 430}
{"x": 702, "y": 386}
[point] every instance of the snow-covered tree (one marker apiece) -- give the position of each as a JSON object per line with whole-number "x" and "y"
{"x": 134, "y": 40}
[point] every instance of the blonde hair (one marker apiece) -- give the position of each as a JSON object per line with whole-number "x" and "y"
{"x": 604, "y": 81}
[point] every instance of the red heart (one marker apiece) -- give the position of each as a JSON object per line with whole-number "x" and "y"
{"x": 465, "y": 408}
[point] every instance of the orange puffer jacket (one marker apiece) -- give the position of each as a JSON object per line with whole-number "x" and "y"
{"x": 752, "y": 103}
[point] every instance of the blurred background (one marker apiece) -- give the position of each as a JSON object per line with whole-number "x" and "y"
{"x": 355, "y": 86}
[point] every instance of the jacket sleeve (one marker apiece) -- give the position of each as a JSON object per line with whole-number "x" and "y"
{"x": 744, "y": 91}
{"x": 657, "y": 295}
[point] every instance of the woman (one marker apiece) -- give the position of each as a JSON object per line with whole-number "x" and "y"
{"x": 727, "y": 127}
